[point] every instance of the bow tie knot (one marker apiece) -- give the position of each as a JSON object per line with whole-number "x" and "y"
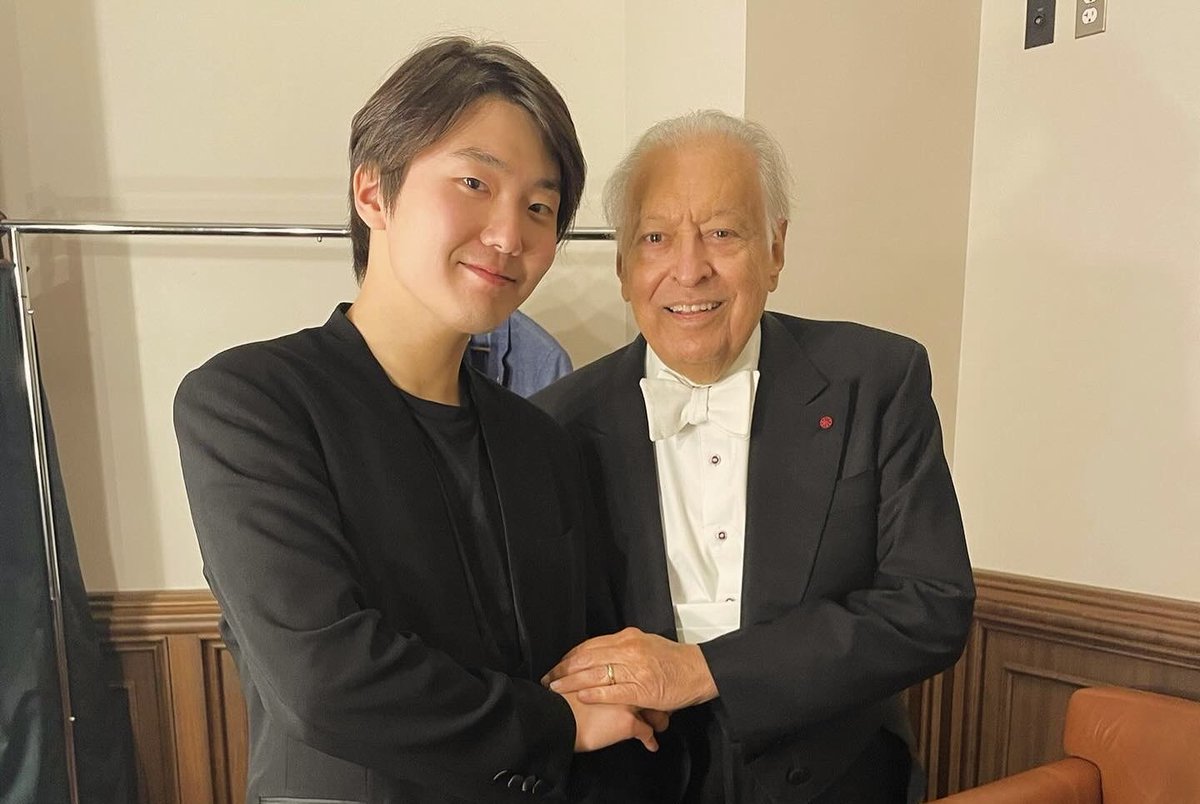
{"x": 672, "y": 404}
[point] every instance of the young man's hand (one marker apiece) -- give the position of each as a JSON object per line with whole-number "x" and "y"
{"x": 601, "y": 725}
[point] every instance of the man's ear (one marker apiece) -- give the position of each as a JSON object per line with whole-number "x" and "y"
{"x": 368, "y": 202}
{"x": 777, "y": 252}
{"x": 621, "y": 275}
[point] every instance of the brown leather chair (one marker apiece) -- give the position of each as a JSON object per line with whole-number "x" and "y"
{"x": 1123, "y": 746}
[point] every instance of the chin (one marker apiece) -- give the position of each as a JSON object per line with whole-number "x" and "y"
{"x": 477, "y": 325}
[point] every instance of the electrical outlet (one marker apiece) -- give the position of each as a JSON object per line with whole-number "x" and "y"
{"x": 1089, "y": 17}
{"x": 1039, "y": 23}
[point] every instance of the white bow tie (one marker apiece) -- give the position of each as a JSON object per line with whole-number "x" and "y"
{"x": 672, "y": 404}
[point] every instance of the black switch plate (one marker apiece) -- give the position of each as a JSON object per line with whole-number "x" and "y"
{"x": 1039, "y": 23}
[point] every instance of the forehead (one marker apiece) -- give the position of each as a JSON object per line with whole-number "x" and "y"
{"x": 500, "y": 134}
{"x": 698, "y": 178}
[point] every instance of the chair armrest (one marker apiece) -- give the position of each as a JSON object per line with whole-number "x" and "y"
{"x": 1144, "y": 744}
{"x": 1067, "y": 781}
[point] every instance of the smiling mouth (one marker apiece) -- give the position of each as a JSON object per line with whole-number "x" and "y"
{"x": 685, "y": 309}
{"x": 488, "y": 274}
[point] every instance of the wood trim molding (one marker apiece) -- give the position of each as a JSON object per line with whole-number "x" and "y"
{"x": 1163, "y": 627}
{"x": 160, "y": 613}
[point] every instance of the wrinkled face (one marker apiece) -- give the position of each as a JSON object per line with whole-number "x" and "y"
{"x": 697, "y": 262}
{"x": 473, "y": 229}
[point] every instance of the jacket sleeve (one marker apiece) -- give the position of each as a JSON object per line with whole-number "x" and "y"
{"x": 830, "y": 655}
{"x": 327, "y": 668}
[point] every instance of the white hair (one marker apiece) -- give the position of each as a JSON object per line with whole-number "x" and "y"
{"x": 773, "y": 175}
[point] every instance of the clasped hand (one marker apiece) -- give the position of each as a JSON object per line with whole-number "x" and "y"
{"x": 601, "y": 725}
{"x": 636, "y": 669}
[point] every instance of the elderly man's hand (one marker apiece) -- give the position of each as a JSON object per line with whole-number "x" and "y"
{"x": 635, "y": 668}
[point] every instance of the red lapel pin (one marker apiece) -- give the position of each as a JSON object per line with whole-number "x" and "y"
{"x": 826, "y": 422}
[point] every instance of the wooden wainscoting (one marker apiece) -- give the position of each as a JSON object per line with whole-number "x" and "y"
{"x": 189, "y": 720}
{"x": 1000, "y": 710}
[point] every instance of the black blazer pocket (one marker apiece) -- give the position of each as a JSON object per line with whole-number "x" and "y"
{"x": 861, "y": 489}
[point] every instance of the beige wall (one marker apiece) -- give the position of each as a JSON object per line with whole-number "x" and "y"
{"x": 229, "y": 111}
{"x": 1073, "y": 411}
{"x": 874, "y": 105}
{"x": 1078, "y": 453}
{"x": 701, "y": 64}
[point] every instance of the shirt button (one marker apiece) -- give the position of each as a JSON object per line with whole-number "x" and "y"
{"x": 714, "y": 460}
{"x": 730, "y": 599}
{"x": 721, "y": 535}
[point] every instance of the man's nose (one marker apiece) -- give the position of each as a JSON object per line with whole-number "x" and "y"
{"x": 692, "y": 266}
{"x": 503, "y": 230}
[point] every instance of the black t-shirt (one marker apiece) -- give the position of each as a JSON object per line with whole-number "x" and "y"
{"x": 464, "y": 471}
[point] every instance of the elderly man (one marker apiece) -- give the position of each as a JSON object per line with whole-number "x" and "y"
{"x": 786, "y": 544}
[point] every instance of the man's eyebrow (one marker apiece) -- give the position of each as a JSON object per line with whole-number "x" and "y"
{"x": 482, "y": 156}
{"x": 657, "y": 219}
{"x": 491, "y": 160}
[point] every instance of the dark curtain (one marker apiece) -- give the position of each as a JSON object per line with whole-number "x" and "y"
{"x": 32, "y": 754}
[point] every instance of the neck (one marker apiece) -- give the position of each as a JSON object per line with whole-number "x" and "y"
{"x": 697, "y": 378}
{"x": 713, "y": 371}
{"x": 700, "y": 374}
{"x": 418, "y": 353}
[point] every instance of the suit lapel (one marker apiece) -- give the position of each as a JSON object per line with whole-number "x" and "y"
{"x": 418, "y": 492}
{"x": 412, "y": 489}
{"x": 522, "y": 482}
{"x": 795, "y": 453}
{"x": 625, "y": 456}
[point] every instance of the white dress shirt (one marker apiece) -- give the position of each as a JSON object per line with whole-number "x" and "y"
{"x": 702, "y": 496}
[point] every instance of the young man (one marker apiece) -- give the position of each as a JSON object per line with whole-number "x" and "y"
{"x": 397, "y": 543}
